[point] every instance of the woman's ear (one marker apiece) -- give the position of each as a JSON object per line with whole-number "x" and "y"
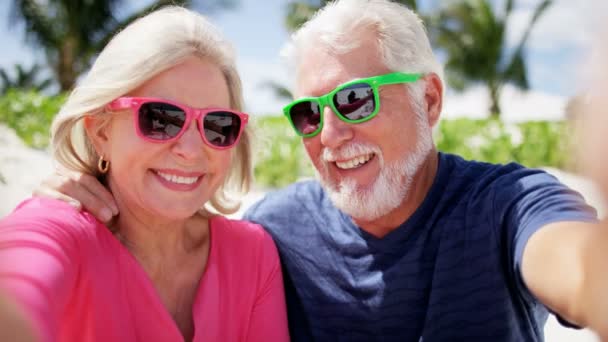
{"x": 97, "y": 129}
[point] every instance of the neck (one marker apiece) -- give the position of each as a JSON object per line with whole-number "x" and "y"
{"x": 156, "y": 241}
{"x": 174, "y": 256}
{"x": 421, "y": 184}
{"x": 152, "y": 241}
{"x": 172, "y": 252}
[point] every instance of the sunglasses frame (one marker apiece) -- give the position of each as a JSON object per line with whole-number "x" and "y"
{"x": 326, "y": 100}
{"x": 135, "y": 103}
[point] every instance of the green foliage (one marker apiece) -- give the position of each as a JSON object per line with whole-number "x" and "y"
{"x": 533, "y": 143}
{"x": 280, "y": 158}
{"x": 30, "y": 114}
{"x": 23, "y": 78}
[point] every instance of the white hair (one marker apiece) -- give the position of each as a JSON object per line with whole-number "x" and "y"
{"x": 401, "y": 36}
{"x": 145, "y": 48}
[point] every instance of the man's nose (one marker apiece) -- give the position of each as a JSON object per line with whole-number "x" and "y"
{"x": 335, "y": 131}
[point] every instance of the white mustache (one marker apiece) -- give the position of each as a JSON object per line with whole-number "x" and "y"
{"x": 348, "y": 151}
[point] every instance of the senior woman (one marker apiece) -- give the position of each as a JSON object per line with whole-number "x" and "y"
{"x": 157, "y": 120}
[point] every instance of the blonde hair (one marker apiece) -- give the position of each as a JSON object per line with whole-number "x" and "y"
{"x": 145, "y": 48}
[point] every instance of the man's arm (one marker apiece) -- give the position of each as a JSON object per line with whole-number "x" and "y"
{"x": 565, "y": 266}
{"x": 80, "y": 190}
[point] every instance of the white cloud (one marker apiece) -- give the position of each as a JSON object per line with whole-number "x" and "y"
{"x": 260, "y": 99}
{"x": 560, "y": 42}
{"x": 565, "y": 23}
{"x": 471, "y": 103}
{"x": 516, "y": 105}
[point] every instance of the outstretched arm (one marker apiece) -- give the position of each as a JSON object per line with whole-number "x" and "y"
{"x": 38, "y": 264}
{"x": 13, "y": 325}
{"x": 564, "y": 265}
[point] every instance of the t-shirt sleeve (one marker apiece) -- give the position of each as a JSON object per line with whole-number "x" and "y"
{"x": 39, "y": 261}
{"x": 269, "y": 318}
{"x": 526, "y": 201}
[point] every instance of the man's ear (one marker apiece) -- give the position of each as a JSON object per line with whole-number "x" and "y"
{"x": 97, "y": 129}
{"x": 433, "y": 96}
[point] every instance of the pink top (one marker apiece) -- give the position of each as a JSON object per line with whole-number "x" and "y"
{"x": 79, "y": 283}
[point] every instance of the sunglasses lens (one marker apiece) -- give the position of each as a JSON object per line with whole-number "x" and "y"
{"x": 222, "y": 128}
{"x": 355, "y": 102}
{"x": 160, "y": 121}
{"x": 305, "y": 116}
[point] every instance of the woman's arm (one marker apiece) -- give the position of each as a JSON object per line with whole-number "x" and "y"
{"x": 13, "y": 325}
{"x": 39, "y": 261}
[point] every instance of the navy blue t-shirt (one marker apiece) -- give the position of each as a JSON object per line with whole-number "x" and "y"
{"x": 451, "y": 272}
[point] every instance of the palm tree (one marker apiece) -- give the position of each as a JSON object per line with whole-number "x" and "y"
{"x": 24, "y": 79}
{"x": 299, "y": 12}
{"x": 473, "y": 36}
{"x": 71, "y": 31}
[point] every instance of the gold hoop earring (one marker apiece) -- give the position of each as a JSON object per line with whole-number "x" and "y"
{"x": 103, "y": 165}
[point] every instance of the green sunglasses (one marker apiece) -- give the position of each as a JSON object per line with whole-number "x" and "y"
{"x": 353, "y": 102}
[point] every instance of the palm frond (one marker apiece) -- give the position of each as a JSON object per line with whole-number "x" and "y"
{"x": 39, "y": 24}
{"x": 279, "y": 90}
{"x": 516, "y": 63}
{"x": 118, "y": 26}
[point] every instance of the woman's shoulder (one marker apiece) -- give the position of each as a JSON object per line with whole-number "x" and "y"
{"x": 50, "y": 216}
{"x": 237, "y": 230}
{"x": 241, "y": 237}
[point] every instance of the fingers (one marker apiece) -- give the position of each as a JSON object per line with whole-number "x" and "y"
{"x": 97, "y": 189}
{"x": 82, "y": 191}
{"x": 44, "y": 191}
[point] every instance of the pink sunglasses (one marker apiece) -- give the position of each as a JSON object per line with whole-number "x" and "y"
{"x": 159, "y": 120}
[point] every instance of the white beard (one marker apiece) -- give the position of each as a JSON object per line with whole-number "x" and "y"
{"x": 391, "y": 187}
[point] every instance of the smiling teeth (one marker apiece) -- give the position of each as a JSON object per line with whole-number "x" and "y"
{"x": 177, "y": 179}
{"x": 355, "y": 162}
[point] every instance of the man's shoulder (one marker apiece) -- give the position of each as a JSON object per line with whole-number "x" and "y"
{"x": 287, "y": 209}
{"x": 498, "y": 188}
{"x": 289, "y": 198}
{"x": 486, "y": 175}
{"x": 53, "y": 222}
{"x": 243, "y": 242}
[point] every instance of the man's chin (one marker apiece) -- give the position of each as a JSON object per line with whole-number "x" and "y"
{"x": 353, "y": 200}
{"x": 365, "y": 202}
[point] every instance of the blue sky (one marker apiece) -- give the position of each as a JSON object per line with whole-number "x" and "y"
{"x": 557, "y": 49}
